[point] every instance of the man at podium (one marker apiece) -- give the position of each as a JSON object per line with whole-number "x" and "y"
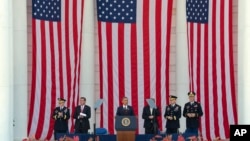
{"x": 125, "y": 122}
{"x": 125, "y": 109}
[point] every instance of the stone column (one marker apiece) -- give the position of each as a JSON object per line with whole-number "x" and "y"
{"x": 182, "y": 78}
{"x": 20, "y": 69}
{"x": 87, "y": 84}
{"x": 243, "y": 61}
{"x": 6, "y": 70}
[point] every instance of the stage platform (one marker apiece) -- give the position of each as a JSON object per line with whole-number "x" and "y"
{"x": 109, "y": 137}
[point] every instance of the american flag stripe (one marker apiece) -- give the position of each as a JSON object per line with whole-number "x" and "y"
{"x": 56, "y": 66}
{"x": 211, "y": 68}
{"x": 133, "y": 59}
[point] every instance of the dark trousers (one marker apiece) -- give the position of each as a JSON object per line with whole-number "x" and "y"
{"x": 172, "y": 131}
{"x": 59, "y": 131}
{"x": 192, "y": 131}
{"x": 151, "y": 129}
{"x": 83, "y": 131}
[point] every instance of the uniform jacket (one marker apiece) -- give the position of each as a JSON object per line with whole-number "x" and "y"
{"x": 175, "y": 113}
{"x": 145, "y": 115}
{"x": 82, "y": 123}
{"x": 125, "y": 112}
{"x": 61, "y": 123}
{"x": 195, "y": 108}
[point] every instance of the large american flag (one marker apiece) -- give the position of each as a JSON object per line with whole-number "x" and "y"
{"x": 211, "y": 63}
{"x": 56, "y": 51}
{"x": 134, "y": 47}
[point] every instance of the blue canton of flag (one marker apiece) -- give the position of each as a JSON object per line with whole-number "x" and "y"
{"x": 46, "y": 10}
{"x": 117, "y": 10}
{"x": 197, "y": 11}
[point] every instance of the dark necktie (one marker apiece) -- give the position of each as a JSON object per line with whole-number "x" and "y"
{"x": 125, "y": 110}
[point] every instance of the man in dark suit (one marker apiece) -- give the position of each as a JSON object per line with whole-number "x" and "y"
{"x": 192, "y": 111}
{"x": 61, "y": 114}
{"x": 125, "y": 109}
{"x": 172, "y": 115}
{"x": 150, "y": 119}
{"x": 81, "y": 116}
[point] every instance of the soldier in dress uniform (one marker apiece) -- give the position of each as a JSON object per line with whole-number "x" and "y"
{"x": 192, "y": 111}
{"x": 172, "y": 115}
{"x": 81, "y": 116}
{"x": 61, "y": 114}
{"x": 150, "y": 119}
{"x": 125, "y": 109}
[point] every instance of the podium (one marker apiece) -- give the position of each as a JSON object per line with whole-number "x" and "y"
{"x": 125, "y": 127}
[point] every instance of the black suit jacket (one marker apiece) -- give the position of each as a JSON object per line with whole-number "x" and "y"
{"x": 145, "y": 115}
{"x": 175, "y": 113}
{"x": 125, "y": 112}
{"x": 192, "y": 122}
{"x": 82, "y": 123}
{"x": 61, "y": 123}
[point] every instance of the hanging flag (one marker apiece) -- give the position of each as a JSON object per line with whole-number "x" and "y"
{"x": 134, "y": 50}
{"x": 56, "y": 51}
{"x": 211, "y": 64}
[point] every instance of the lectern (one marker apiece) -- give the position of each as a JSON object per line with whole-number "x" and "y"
{"x": 125, "y": 127}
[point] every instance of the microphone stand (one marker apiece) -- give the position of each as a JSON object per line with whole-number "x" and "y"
{"x": 154, "y": 120}
{"x": 97, "y": 104}
{"x": 95, "y": 126}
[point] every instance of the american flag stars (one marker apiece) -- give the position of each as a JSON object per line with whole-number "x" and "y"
{"x": 117, "y": 10}
{"x": 197, "y": 11}
{"x": 47, "y": 10}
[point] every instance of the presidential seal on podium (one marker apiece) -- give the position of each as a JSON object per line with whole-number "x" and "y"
{"x": 125, "y": 121}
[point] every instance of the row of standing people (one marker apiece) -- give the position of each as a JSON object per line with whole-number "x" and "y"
{"x": 61, "y": 115}
{"x": 192, "y": 112}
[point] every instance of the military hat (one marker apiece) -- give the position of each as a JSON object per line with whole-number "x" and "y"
{"x": 61, "y": 99}
{"x": 191, "y": 93}
{"x": 173, "y": 96}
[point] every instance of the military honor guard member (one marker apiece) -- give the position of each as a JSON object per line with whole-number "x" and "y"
{"x": 192, "y": 112}
{"x": 172, "y": 115}
{"x": 150, "y": 119}
{"x": 81, "y": 116}
{"x": 61, "y": 114}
